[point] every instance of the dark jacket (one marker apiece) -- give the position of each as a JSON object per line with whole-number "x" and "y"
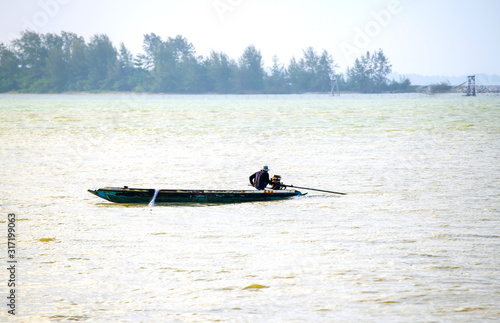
{"x": 259, "y": 180}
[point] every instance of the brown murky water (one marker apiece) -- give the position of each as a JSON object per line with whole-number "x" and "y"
{"x": 417, "y": 237}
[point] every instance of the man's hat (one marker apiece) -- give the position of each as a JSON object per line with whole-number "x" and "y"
{"x": 265, "y": 168}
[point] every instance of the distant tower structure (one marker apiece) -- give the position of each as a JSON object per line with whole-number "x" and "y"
{"x": 471, "y": 85}
{"x": 335, "y": 85}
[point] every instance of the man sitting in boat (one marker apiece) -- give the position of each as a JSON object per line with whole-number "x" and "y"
{"x": 260, "y": 179}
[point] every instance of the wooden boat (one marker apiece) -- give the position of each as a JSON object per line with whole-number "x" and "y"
{"x": 145, "y": 196}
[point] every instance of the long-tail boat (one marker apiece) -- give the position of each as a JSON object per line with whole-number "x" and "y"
{"x": 162, "y": 196}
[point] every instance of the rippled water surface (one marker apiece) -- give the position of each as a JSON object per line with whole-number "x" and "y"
{"x": 417, "y": 238}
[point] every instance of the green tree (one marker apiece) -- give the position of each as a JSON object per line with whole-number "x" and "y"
{"x": 277, "y": 81}
{"x": 343, "y": 86}
{"x": 56, "y": 68}
{"x": 381, "y": 68}
{"x": 150, "y": 45}
{"x": 441, "y": 87}
{"x": 78, "y": 68}
{"x": 309, "y": 65}
{"x": 123, "y": 70}
{"x": 222, "y": 72}
{"x": 296, "y": 75}
{"x": 404, "y": 85}
{"x": 54, "y": 63}
{"x": 32, "y": 58}
{"x": 101, "y": 58}
{"x": 325, "y": 72}
{"x": 369, "y": 73}
{"x": 313, "y": 72}
{"x": 166, "y": 71}
{"x": 358, "y": 76}
{"x": 251, "y": 71}
{"x": 196, "y": 75}
{"x": 142, "y": 78}
{"x": 170, "y": 59}
{"x": 9, "y": 69}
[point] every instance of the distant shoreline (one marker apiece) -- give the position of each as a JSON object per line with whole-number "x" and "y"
{"x": 419, "y": 89}
{"x": 479, "y": 89}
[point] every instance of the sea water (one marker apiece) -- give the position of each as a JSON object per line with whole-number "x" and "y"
{"x": 417, "y": 238}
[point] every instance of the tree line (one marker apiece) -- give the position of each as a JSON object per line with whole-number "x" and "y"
{"x": 53, "y": 63}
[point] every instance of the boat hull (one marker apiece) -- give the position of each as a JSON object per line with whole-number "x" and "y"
{"x": 165, "y": 196}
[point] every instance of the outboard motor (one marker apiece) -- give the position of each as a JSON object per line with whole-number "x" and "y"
{"x": 275, "y": 183}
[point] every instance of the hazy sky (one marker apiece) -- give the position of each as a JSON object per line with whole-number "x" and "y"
{"x": 428, "y": 37}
